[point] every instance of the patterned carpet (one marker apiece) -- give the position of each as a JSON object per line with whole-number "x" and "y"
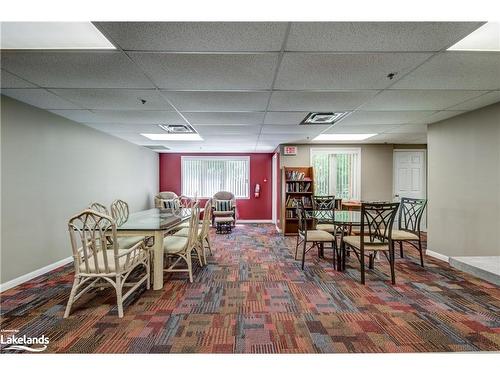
{"x": 254, "y": 298}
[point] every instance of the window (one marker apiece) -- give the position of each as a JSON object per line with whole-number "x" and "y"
{"x": 337, "y": 171}
{"x": 203, "y": 176}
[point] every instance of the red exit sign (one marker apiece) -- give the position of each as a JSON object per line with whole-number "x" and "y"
{"x": 290, "y": 150}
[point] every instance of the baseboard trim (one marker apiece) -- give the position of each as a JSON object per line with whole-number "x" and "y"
{"x": 254, "y": 221}
{"x": 24, "y": 278}
{"x": 439, "y": 256}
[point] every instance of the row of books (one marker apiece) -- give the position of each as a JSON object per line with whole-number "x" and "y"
{"x": 292, "y": 202}
{"x": 295, "y": 175}
{"x": 294, "y": 188}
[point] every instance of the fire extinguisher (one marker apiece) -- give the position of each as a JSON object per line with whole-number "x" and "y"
{"x": 257, "y": 190}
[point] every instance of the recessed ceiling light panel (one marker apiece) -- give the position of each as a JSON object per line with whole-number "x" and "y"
{"x": 486, "y": 38}
{"x": 173, "y": 137}
{"x": 52, "y": 35}
{"x": 178, "y": 129}
{"x": 342, "y": 137}
{"x": 323, "y": 118}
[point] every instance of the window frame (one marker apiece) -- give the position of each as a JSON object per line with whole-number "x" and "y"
{"x": 341, "y": 150}
{"x": 218, "y": 158}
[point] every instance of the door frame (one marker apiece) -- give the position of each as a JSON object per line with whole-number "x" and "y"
{"x": 274, "y": 187}
{"x": 424, "y": 152}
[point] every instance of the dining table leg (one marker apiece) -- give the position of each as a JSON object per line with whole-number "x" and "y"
{"x": 158, "y": 261}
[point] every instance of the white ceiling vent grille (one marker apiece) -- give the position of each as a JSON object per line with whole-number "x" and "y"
{"x": 178, "y": 129}
{"x": 323, "y": 118}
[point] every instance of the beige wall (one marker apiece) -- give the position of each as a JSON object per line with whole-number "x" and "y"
{"x": 376, "y": 167}
{"x": 464, "y": 184}
{"x": 51, "y": 169}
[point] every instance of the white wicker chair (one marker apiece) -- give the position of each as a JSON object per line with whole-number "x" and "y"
{"x": 95, "y": 260}
{"x": 120, "y": 213}
{"x": 182, "y": 247}
{"x": 163, "y": 199}
{"x": 203, "y": 232}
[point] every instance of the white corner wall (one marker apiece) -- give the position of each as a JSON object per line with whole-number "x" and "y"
{"x": 52, "y": 168}
{"x": 464, "y": 184}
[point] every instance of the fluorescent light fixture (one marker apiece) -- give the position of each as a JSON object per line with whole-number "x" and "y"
{"x": 52, "y": 35}
{"x": 343, "y": 137}
{"x": 173, "y": 137}
{"x": 485, "y": 38}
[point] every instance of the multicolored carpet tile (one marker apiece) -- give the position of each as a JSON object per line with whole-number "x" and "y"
{"x": 254, "y": 298}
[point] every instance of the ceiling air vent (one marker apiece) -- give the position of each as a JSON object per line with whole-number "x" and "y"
{"x": 323, "y": 118}
{"x": 158, "y": 148}
{"x": 178, "y": 129}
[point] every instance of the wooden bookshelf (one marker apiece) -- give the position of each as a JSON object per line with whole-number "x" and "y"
{"x": 298, "y": 182}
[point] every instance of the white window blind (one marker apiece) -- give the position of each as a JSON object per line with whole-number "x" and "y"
{"x": 203, "y": 176}
{"x": 337, "y": 171}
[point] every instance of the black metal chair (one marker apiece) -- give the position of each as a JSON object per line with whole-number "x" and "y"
{"x": 377, "y": 220}
{"x": 325, "y": 209}
{"x": 317, "y": 237}
{"x": 410, "y": 217}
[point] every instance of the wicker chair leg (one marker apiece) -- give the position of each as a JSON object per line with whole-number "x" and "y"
{"x": 74, "y": 288}
{"x": 119, "y": 299}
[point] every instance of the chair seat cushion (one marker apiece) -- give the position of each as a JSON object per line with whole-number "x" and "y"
{"x": 101, "y": 264}
{"x": 127, "y": 242}
{"x": 174, "y": 244}
{"x": 184, "y": 232}
{"x": 402, "y": 235}
{"x": 223, "y": 213}
{"x": 224, "y": 219}
{"x": 326, "y": 227}
{"x": 355, "y": 241}
{"x": 319, "y": 235}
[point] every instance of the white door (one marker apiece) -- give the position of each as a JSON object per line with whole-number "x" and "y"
{"x": 410, "y": 176}
{"x": 274, "y": 186}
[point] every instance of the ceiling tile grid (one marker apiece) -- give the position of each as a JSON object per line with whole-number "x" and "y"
{"x": 245, "y": 86}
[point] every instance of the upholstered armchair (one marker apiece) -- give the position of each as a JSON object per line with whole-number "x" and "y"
{"x": 165, "y": 198}
{"x": 223, "y": 205}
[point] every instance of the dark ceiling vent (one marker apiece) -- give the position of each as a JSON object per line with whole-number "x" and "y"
{"x": 157, "y": 148}
{"x": 323, "y": 118}
{"x": 178, "y": 129}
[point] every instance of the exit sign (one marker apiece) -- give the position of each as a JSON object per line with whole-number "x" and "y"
{"x": 290, "y": 150}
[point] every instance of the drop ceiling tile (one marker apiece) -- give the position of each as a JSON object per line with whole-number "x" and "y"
{"x": 391, "y": 138}
{"x": 223, "y": 118}
{"x": 279, "y": 138}
{"x": 125, "y": 128}
{"x": 213, "y": 101}
{"x": 197, "y": 36}
{"x": 137, "y": 117}
{"x": 442, "y": 115}
{"x": 293, "y": 129}
{"x": 284, "y": 118}
{"x": 75, "y": 69}
{"x": 360, "y": 129}
{"x": 411, "y": 128}
{"x": 417, "y": 100}
{"x": 78, "y": 115}
{"x": 376, "y": 36}
{"x": 208, "y": 71}
{"x": 481, "y": 101}
{"x": 115, "y": 99}
{"x": 457, "y": 71}
{"x": 10, "y": 81}
{"x": 384, "y": 117}
{"x": 228, "y": 130}
{"x": 40, "y": 98}
{"x": 318, "y": 101}
{"x": 344, "y": 71}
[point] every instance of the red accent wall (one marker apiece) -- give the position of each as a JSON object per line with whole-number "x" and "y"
{"x": 248, "y": 209}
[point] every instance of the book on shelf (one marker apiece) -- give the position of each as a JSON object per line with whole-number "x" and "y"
{"x": 294, "y": 202}
{"x": 298, "y": 188}
{"x": 295, "y": 175}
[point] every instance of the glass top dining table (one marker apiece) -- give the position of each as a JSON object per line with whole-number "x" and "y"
{"x": 155, "y": 223}
{"x": 342, "y": 217}
{"x": 156, "y": 219}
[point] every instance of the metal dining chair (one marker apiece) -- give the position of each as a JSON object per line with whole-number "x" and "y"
{"x": 375, "y": 236}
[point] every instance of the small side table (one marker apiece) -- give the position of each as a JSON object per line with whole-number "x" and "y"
{"x": 224, "y": 224}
